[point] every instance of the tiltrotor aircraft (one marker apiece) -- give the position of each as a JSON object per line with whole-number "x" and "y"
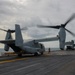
{"x": 19, "y": 46}
{"x": 62, "y": 32}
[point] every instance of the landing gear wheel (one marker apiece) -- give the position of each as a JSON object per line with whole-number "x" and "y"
{"x": 41, "y": 53}
{"x": 36, "y": 54}
{"x": 19, "y": 55}
{"x": 61, "y": 48}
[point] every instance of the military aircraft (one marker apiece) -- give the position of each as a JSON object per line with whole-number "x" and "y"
{"x": 62, "y": 32}
{"x": 19, "y": 46}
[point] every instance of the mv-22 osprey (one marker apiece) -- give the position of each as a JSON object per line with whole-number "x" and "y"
{"x": 20, "y": 47}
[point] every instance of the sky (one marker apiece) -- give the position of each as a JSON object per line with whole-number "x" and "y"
{"x": 30, "y": 13}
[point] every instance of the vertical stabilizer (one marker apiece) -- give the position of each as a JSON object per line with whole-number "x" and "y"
{"x": 18, "y": 36}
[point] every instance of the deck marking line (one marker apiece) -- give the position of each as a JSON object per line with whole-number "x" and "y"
{"x": 27, "y": 66}
{"x": 6, "y": 61}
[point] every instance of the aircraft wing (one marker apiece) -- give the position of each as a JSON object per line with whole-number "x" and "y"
{"x": 47, "y": 39}
{"x": 7, "y": 41}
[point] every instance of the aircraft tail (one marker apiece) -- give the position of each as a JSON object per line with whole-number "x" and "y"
{"x": 18, "y": 36}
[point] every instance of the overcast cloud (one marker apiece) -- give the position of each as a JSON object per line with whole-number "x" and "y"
{"x": 30, "y": 13}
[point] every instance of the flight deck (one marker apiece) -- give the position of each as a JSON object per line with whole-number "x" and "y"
{"x": 53, "y": 63}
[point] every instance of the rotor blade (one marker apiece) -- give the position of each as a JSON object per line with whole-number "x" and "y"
{"x": 70, "y": 19}
{"x": 3, "y": 29}
{"x": 12, "y": 31}
{"x": 56, "y": 27}
{"x": 24, "y": 28}
{"x": 70, "y": 32}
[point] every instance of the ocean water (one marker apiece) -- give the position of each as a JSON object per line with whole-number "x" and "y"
{"x": 53, "y": 49}
{"x": 3, "y": 51}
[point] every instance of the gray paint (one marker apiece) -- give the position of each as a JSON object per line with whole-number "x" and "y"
{"x": 62, "y": 37}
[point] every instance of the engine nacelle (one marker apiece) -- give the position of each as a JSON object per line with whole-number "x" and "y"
{"x": 8, "y": 36}
{"x": 62, "y": 36}
{"x": 6, "y": 48}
